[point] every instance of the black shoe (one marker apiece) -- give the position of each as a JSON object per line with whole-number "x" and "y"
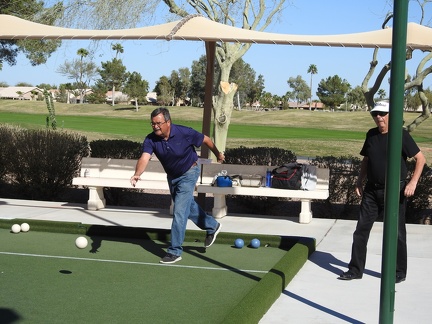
{"x": 349, "y": 276}
{"x": 211, "y": 238}
{"x": 170, "y": 258}
{"x": 400, "y": 278}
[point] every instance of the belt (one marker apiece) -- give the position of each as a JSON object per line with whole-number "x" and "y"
{"x": 381, "y": 186}
{"x": 194, "y": 164}
{"x": 377, "y": 185}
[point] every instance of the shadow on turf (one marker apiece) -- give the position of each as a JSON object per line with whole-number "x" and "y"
{"x": 143, "y": 237}
{"x": 8, "y": 316}
{"x": 200, "y": 255}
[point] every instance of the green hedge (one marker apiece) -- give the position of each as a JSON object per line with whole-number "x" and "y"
{"x": 115, "y": 149}
{"x": 259, "y": 156}
{"x": 40, "y": 164}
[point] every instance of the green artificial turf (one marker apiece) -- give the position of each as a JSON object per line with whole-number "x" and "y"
{"x": 251, "y": 294}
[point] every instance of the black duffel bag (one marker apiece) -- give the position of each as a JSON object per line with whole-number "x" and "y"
{"x": 287, "y": 176}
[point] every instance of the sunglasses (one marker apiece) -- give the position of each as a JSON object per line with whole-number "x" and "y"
{"x": 378, "y": 113}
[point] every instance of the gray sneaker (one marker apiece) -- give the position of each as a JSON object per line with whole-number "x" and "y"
{"x": 211, "y": 238}
{"x": 170, "y": 258}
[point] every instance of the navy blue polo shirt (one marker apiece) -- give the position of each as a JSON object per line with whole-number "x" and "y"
{"x": 177, "y": 154}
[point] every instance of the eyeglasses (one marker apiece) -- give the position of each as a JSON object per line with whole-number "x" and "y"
{"x": 379, "y": 113}
{"x": 158, "y": 124}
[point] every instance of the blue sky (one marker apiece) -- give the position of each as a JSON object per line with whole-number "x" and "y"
{"x": 277, "y": 63}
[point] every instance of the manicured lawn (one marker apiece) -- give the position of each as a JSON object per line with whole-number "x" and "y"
{"x": 306, "y": 133}
{"x": 136, "y": 128}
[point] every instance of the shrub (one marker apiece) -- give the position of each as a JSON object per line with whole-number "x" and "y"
{"x": 42, "y": 163}
{"x": 6, "y": 138}
{"x": 115, "y": 149}
{"x": 343, "y": 200}
{"x": 259, "y": 156}
{"x": 420, "y": 203}
{"x": 344, "y": 170}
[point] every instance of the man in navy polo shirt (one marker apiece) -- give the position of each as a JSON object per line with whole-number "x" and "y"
{"x": 174, "y": 146}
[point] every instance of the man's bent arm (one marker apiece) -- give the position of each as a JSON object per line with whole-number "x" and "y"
{"x": 212, "y": 147}
{"x": 412, "y": 184}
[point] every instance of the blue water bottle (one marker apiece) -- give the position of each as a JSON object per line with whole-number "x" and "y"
{"x": 268, "y": 178}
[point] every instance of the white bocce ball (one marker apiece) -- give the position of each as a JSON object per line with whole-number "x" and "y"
{"x": 15, "y": 228}
{"x": 81, "y": 242}
{"x": 25, "y": 227}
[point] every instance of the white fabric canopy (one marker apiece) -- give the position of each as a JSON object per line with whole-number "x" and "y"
{"x": 198, "y": 28}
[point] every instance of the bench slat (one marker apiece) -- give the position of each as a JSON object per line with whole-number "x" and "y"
{"x": 98, "y": 173}
{"x": 120, "y": 183}
{"x": 263, "y": 191}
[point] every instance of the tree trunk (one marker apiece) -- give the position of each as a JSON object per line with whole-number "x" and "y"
{"x": 310, "y": 96}
{"x": 113, "y": 94}
{"x": 223, "y": 106}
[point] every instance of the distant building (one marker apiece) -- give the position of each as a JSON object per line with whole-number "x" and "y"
{"x": 256, "y": 105}
{"x": 119, "y": 97}
{"x": 20, "y": 93}
{"x": 305, "y": 105}
{"x": 151, "y": 98}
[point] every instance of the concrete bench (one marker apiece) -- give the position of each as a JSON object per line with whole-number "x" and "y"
{"x": 97, "y": 173}
{"x": 220, "y": 208}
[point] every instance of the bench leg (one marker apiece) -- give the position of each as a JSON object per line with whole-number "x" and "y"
{"x": 96, "y": 198}
{"x": 220, "y": 208}
{"x": 305, "y": 216}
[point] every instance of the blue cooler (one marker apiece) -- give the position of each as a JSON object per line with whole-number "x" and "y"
{"x": 224, "y": 181}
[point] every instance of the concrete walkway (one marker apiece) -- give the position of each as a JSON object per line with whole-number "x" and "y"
{"x": 314, "y": 295}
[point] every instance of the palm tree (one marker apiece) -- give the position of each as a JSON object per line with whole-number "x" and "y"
{"x": 118, "y": 48}
{"x": 312, "y": 70}
{"x": 381, "y": 93}
{"x": 82, "y": 52}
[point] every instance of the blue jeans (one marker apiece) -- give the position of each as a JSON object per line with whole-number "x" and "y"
{"x": 185, "y": 207}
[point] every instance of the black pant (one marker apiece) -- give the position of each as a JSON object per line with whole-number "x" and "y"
{"x": 372, "y": 206}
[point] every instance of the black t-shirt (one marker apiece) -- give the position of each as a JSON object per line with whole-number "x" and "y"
{"x": 375, "y": 148}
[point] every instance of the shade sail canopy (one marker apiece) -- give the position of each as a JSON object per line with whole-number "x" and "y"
{"x": 198, "y": 28}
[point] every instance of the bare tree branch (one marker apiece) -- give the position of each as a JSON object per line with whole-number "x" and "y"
{"x": 415, "y": 84}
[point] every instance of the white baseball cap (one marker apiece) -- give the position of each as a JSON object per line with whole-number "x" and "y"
{"x": 381, "y": 106}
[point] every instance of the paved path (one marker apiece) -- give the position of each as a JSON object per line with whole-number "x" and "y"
{"x": 314, "y": 295}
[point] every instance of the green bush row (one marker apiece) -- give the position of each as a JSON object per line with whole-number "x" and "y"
{"x": 42, "y": 163}
{"x": 115, "y": 149}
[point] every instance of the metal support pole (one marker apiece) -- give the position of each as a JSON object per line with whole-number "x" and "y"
{"x": 394, "y": 148}
{"x": 208, "y": 105}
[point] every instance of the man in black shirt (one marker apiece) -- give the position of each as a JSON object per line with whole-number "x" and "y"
{"x": 373, "y": 168}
